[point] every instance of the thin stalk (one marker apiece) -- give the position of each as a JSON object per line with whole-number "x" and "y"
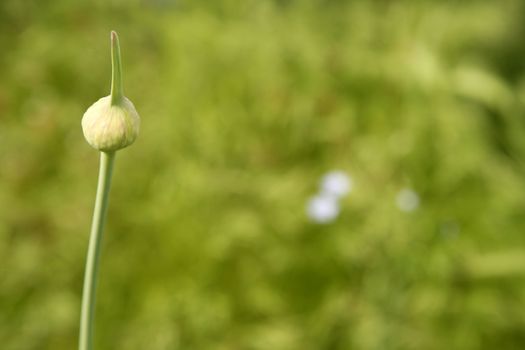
{"x": 117, "y": 90}
{"x": 93, "y": 255}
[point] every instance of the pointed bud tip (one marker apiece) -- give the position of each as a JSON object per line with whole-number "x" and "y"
{"x": 117, "y": 90}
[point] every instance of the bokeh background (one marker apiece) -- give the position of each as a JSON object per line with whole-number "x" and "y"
{"x": 245, "y": 105}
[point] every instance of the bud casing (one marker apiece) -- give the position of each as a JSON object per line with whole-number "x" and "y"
{"x": 110, "y": 127}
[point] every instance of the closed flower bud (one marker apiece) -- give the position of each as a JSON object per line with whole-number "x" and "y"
{"x": 112, "y": 122}
{"x": 110, "y": 127}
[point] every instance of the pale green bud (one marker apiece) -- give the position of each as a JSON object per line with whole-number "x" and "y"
{"x": 110, "y": 127}
{"x": 112, "y": 122}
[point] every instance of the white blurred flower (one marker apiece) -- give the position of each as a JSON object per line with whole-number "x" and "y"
{"x": 322, "y": 209}
{"x": 407, "y": 200}
{"x": 336, "y": 183}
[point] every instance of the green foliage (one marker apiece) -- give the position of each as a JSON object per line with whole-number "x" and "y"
{"x": 244, "y": 107}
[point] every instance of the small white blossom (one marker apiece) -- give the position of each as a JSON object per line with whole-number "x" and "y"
{"x": 407, "y": 200}
{"x": 322, "y": 209}
{"x": 336, "y": 183}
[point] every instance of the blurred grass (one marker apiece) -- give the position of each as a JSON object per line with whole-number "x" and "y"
{"x": 244, "y": 107}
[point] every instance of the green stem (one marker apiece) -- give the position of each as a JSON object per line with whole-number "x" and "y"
{"x": 117, "y": 91}
{"x": 93, "y": 255}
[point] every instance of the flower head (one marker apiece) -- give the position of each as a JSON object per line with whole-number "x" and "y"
{"x": 336, "y": 183}
{"x": 110, "y": 127}
{"x": 112, "y": 122}
{"x": 322, "y": 209}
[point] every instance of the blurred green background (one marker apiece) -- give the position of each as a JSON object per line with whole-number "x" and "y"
{"x": 245, "y": 105}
